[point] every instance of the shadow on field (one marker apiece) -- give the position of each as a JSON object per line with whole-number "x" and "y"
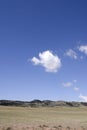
{"x": 43, "y": 127}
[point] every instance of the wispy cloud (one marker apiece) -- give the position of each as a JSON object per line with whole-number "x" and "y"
{"x": 74, "y": 80}
{"x": 72, "y": 54}
{"x": 67, "y": 84}
{"x": 83, "y": 98}
{"x": 83, "y": 48}
{"x": 76, "y": 88}
{"x": 48, "y": 60}
{"x": 81, "y": 57}
{"x": 71, "y": 84}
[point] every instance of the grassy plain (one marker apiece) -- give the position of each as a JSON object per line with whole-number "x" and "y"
{"x": 44, "y": 118}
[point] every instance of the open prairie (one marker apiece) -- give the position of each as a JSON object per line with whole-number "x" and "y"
{"x": 47, "y": 118}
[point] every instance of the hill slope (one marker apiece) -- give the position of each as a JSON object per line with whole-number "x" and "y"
{"x": 44, "y": 103}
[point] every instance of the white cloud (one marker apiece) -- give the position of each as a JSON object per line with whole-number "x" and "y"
{"x": 71, "y": 54}
{"x": 48, "y": 60}
{"x": 76, "y": 88}
{"x": 83, "y": 49}
{"x": 83, "y": 98}
{"x": 67, "y": 84}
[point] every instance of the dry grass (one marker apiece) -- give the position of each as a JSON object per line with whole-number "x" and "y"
{"x": 61, "y": 118}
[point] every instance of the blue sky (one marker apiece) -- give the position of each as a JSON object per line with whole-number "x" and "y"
{"x": 43, "y": 50}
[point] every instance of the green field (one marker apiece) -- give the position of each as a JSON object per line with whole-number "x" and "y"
{"x": 74, "y": 117}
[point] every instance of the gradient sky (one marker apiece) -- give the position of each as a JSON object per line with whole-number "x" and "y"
{"x": 43, "y": 50}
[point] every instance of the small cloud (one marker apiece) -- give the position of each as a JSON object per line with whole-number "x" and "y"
{"x": 83, "y": 98}
{"x": 71, "y": 54}
{"x": 76, "y": 88}
{"x": 67, "y": 84}
{"x": 83, "y": 49}
{"x": 71, "y": 84}
{"x": 74, "y": 80}
{"x": 48, "y": 60}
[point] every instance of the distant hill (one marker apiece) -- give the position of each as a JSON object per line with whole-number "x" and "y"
{"x": 44, "y": 103}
